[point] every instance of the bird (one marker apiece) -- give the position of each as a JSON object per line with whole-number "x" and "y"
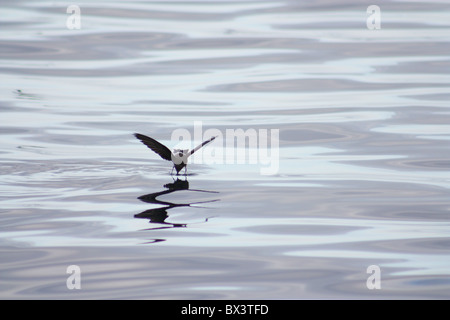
{"x": 179, "y": 157}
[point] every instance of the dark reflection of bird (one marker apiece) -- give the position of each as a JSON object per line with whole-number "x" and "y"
{"x": 159, "y": 215}
{"x": 179, "y": 157}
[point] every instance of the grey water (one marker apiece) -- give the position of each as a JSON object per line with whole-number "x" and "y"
{"x": 362, "y": 170}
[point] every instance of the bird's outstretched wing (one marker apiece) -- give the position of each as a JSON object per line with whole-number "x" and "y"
{"x": 157, "y": 147}
{"x": 199, "y": 146}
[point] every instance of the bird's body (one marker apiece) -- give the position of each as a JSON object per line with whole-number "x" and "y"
{"x": 179, "y": 157}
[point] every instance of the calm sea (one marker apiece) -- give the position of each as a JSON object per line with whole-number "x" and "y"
{"x": 357, "y": 204}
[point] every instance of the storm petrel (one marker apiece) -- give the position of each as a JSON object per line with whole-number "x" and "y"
{"x": 179, "y": 157}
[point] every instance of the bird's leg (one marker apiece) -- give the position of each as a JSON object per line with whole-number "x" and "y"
{"x": 171, "y": 172}
{"x": 185, "y": 171}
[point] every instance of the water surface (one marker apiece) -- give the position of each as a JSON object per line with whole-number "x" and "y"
{"x": 363, "y": 176}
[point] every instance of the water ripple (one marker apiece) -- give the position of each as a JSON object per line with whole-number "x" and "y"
{"x": 363, "y": 157}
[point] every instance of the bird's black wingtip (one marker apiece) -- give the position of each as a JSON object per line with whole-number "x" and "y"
{"x": 140, "y": 137}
